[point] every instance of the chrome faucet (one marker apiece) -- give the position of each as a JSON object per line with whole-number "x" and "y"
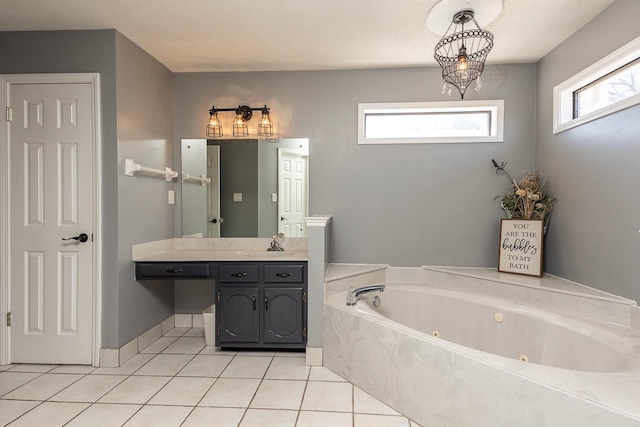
{"x": 353, "y": 294}
{"x": 275, "y": 246}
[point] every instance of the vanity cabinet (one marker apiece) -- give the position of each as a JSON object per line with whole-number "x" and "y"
{"x": 261, "y": 305}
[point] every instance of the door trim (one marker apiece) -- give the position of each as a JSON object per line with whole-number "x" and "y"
{"x": 5, "y": 176}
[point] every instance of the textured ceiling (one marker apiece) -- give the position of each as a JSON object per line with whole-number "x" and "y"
{"x": 248, "y": 35}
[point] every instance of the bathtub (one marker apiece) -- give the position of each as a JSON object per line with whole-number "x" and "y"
{"x": 449, "y": 358}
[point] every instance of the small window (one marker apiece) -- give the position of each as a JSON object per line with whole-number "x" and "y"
{"x": 609, "y": 85}
{"x": 431, "y": 122}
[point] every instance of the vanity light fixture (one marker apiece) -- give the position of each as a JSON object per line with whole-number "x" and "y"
{"x": 240, "y": 128}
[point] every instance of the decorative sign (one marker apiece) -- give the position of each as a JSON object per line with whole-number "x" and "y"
{"x": 521, "y": 247}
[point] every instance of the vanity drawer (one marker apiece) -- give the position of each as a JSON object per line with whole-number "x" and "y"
{"x": 159, "y": 270}
{"x": 238, "y": 273}
{"x": 283, "y": 273}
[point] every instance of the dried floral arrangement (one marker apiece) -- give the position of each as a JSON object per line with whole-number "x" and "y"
{"x": 527, "y": 198}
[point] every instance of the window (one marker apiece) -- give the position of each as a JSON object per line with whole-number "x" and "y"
{"x": 609, "y": 85}
{"x": 431, "y": 122}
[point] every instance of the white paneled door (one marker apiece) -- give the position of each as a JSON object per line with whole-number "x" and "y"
{"x": 51, "y": 223}
{"x": 292, "y": 187}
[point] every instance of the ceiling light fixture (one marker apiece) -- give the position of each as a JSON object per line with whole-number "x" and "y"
{"x": 462, "y": 53}
{"x": 464, "y": 47}
{"x": 240, "y": 128}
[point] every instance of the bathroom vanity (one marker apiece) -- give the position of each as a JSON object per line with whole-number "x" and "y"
{"x": 260, "y": 296}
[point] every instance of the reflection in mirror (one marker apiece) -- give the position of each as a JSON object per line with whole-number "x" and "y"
{"x": 244, "y": 187}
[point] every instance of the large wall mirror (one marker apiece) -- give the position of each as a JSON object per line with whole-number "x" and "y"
{"x": 245, "y": 187}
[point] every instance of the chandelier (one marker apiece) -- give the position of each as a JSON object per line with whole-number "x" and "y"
{"x": 240, "y": 128}
{"x": 462, "y": 52}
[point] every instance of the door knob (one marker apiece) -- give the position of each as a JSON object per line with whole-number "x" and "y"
{"x": 80, "y": 238}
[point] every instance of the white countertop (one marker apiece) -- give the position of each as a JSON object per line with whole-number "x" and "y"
{"x": 224, "y": 249}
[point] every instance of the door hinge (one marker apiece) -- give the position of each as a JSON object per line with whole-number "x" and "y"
{"x": 218, "y": 330}
{"x": 304, "y": 332}
{"x": 9, "y": 319}
{"x": 304, "y": 297}
{"x": 218, "y": 296}
{"x": 9, "y": 114}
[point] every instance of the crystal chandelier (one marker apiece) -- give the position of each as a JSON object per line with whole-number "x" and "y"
{"x": 462, "y": 52}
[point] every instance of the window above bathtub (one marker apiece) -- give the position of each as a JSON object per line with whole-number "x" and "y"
{"x": 431, "y": 122}
{"x": 611, "y": 84}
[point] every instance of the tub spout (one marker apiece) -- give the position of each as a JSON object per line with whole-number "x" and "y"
{"x": 353, "y": 294}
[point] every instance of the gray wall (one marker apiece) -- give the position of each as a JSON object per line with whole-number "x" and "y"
{"x": 406, "y": 205}
{"x": 594, "y": 168}
{"x": 145, "y": 134}
{"x": 239, "y": 174}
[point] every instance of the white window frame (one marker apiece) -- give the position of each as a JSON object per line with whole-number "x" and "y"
{"x": 563, "y": 93}
{"x": 494, "y": 107}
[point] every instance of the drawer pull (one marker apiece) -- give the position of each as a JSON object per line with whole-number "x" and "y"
{"x": 174, "y": 270}
{"x": 283, "y": 274}
{"x": 254, "y": 303}
{"x": 266, "y": 303}
{"x": 238, "y": 275}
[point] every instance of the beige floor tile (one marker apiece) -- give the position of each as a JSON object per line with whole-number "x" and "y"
{"x": 205, "y": 365}
{"x": 89, "y": 389}
{"x": 210, "y": 349}
{"x": 231, "y": 392}
{"x": 414, "y": 424}
{"x": 320, "y": 373}
{"x": 165, "y": 364}
{"x": 279, "y": 394}
{"x": 136, "y": 390}
{"x": 258, "y": 353}
{"x": 194, "y": 332}
{"x": 12, "y": 380}
{"x": 365, "y": 420}
{"x": 185, "y": 345}
{"x": 159, "y": 416}
{"x": 127, "y": 368}
{"x": 12, "y": 409}
{"x": 26, "y": 367}
{"x": 291, "y": 354}
{"x": 50, "y": 414}
{"x": 104, "y": 415}
{"x": 269, "y": 418}
{"x": 328, "y": 396}
{"x": 73, "y": 369}
{"x": 364, "y": 403}
{"x": 183, "y": 391}
{"x": 6, "y": 367}
{"x": 287, "y": 368}
{"x": 158, "y": 345}
{"x": 247, "y": 367}
{"x": 43, "y": 387}
{"x": 176, "y": 332}
{"x": 214, "y": 417}
{"x": 324, "y": 419}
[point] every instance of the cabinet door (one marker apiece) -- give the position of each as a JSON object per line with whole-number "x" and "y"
{"x": 238, "y": 315}
{"x": 283, "y": 315}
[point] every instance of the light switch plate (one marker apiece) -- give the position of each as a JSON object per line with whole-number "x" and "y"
{"x": 274, "y": 197}
{"x": 237, "y": 197}
{"x": 172, "y": 197}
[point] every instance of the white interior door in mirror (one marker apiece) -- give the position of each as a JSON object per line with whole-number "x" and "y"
{"x": 292, "y": 189}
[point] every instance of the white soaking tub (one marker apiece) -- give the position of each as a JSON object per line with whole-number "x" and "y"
{"x": 450, "y": 358}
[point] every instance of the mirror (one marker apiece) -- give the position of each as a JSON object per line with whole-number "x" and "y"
{"x": 244, "y": 187}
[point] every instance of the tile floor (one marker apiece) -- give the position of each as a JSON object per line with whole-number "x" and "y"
{"x": 178, "y": 381}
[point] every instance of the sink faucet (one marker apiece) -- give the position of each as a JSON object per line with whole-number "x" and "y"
{"x": 275, "y": 246}
{"x": 353, "y": 294}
